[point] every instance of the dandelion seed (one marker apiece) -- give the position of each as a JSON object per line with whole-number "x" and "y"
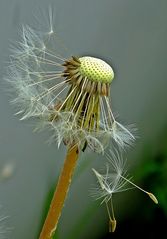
{"x": 115, "y": 180}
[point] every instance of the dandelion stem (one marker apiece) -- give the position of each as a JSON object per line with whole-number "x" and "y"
{"x": 60, "y": 194}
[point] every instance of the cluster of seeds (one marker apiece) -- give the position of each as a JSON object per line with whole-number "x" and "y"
{"x": 70, "y": 96}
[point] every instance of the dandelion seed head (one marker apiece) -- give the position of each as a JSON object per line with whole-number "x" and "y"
{"x": 71, "y": 96}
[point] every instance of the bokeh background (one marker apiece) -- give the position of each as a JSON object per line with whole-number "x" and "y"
{"x": 131, "y": 35}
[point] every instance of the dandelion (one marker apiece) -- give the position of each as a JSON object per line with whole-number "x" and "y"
{"x": 71, "y": 97}
{"x": 112, "y": 182}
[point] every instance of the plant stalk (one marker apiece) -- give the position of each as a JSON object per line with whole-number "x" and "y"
{"x": 60, "y": 194}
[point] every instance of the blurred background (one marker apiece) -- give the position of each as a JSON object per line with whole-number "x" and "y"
{"x": 130, "y": 35}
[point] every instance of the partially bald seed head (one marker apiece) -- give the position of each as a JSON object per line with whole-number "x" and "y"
{"x": 89, "y": 73}
{"x": 96, "y": 69}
